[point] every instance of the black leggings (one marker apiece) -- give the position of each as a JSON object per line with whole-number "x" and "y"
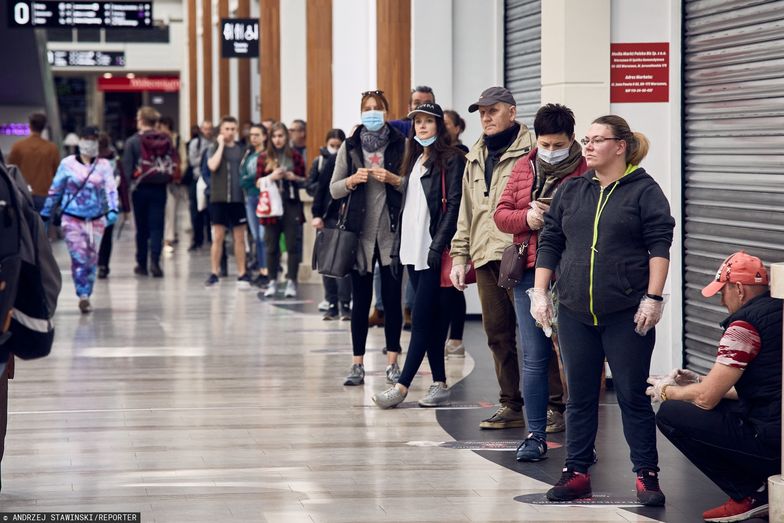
{"x": 429, "y": 323}
{"x": 362, "y": 292}
{"x": 457, "y": 303}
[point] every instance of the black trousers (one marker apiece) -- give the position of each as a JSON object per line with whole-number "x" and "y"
{"x": 200, "y": 220}
{"x": 429, "y": 324}
{"x": 720, "y": 443}
{"x": 337, "y": 289}
{"x": 105, "y": 250}
{"x": 290, "y": 225}
{"x": 583, "y": 349}
{"x": 362, "y": 292}
{"x": 458, "y": 314}
{"x": 149, "y": 213}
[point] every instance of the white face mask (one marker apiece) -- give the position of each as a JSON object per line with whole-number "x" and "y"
{"x": 88, "y": 148}
{"x": 332, "y": 150}
{"x": 553, "y": 157}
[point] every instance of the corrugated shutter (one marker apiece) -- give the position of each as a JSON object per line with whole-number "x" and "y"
{"x": 733, "y": 150}
{"x": 523, "y": 55}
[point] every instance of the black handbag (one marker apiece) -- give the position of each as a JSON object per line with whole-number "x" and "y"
{"x": 335, "y": 250}
{"x": 513, "y": 263}
{"x": 57, "y": 212}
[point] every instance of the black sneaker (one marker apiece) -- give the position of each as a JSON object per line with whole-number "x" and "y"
{"x": 260, "y": 281}
{"x": 244, "y": 281}
{"x": 156, "y": 271}
{"x": 212, "y": 280}
{"x": 648, "y": 491}
{"x": 572, "y": 485}
{"x": 331, "y": 313}
{"x": 103, "y": 272}
{"x": 345, "y": 311}
{"x": 140, "y": 271}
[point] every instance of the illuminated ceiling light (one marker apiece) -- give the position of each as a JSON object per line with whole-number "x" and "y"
{"x": 130, "y": 75}
{"x": 107, "y": 75}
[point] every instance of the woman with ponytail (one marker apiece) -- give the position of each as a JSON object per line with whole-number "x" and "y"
{"x": 607, "y": 235}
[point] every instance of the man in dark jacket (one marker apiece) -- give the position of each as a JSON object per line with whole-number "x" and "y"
{"x": 728, "y": 423}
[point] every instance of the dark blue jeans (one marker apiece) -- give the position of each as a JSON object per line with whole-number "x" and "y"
{"x": 149, "y": 212}
{"x": 429, "y": 325}
{"x": 583, "y": 349}
{"x": 534, "y": 355}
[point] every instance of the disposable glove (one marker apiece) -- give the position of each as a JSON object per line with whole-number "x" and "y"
{"x": 535, "y": 215}
{"x": 685, "y": 377}
{"x": 657, "y": 383}
{"x": 648, "y": 315}
{"x": 457, "y": 276}
{"x": 111, "y": 218}
{"x": 542, "y": 309}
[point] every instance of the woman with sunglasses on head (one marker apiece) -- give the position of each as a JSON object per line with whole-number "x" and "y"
{"x": 432, "y": 173}
{"x": 608, "y": 233}
{"x": 365, "y": 179}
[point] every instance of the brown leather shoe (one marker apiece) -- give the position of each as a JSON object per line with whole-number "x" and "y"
{"x": 406, "y": 319}
{"x": 376, "y": 319}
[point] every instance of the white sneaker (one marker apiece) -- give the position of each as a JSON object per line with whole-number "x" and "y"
{"x": 323, "y": 306}
{"x": 437, "y": 395}
{"x": 291, "y": 289}
{"x": 272, "y": 290}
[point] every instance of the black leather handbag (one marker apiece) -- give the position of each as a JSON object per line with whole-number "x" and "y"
{"x": 335, "y": 251}
{"x": 513, "y": 263}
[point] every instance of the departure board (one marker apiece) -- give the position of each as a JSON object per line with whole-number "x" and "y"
{"x": 96, "y": 14}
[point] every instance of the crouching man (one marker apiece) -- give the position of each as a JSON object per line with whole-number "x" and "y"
{"x": 728, "y": 423}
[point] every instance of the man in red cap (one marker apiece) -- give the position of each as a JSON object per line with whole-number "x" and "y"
{"x": 728, "y": 423}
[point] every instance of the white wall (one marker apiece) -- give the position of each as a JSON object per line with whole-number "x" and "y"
{"x": 432, "y": 61}
{"x": 661, "y": 123}
{"x": 353, "y": 58}
{"x": 293, "y": 61}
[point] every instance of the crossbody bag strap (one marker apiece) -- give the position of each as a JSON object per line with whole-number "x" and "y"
{"x": 343, "y": 214}
{"x": 72, "y": 198}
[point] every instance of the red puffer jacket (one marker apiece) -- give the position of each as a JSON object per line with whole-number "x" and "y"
{"x": 512, "y": 211}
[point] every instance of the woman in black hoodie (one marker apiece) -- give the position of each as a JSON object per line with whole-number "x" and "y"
{"x": 608, "y": 233}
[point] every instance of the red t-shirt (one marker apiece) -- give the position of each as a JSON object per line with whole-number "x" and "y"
{"x": 739, "y": 345}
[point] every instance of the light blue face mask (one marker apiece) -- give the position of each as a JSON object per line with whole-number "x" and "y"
{"x": 373, "y": 120}
{"x": 425, "y": 142}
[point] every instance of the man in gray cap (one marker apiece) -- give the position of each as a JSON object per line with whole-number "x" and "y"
{"x": 488, "y": 167}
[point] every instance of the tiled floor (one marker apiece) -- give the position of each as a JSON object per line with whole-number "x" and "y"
{"x": 193, "y": 404}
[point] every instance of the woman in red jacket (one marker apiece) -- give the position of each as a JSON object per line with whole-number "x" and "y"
{"x": 520, "y": 211}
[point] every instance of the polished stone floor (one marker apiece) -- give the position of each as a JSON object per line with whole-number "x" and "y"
{"x": 193, "y": 404}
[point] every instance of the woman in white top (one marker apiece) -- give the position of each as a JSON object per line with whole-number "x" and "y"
{"x": 432, "y": 170}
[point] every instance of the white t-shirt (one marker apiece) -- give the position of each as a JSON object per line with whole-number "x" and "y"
{"x": 415, "y": 237}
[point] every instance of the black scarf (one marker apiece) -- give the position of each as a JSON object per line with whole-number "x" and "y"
{"x": 497, "y": 145}
{"x": 549, "y": 176}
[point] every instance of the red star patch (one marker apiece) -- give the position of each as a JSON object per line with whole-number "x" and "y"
{"x": 375, "y": 160}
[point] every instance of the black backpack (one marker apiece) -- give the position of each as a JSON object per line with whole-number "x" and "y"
{"x": 26, "y": 263}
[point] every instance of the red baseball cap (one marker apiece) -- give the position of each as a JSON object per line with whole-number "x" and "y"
{"x": 738, "y": 268}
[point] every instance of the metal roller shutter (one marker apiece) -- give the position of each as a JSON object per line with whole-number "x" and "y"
{"x": 523, "y": 55}
{"x": 733, "y": 150}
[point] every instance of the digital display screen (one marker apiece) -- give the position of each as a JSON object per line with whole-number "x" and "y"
{"x": 86, "y": 58}
{"x": 97, "y": 14}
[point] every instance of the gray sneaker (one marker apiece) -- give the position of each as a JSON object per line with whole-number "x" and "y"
{"x": 393, "y": 373}
{"x": 437, "y": 396}
{"x": 454, "y": 352}
{"x": 555, "y": 421}
{"x": 356, "y": 376}
{"x": 389, "y": 398}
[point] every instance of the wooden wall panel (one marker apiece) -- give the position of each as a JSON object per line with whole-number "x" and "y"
{"x": 269, "y": 61}
{"x": 193, "y": 70}
{"x": 319, "y": 75}
{"x": 224, "y": 76}
{"x": 393, "y": 52}
{"x": 206, "y": 24}
{"x": 243, "y": 77}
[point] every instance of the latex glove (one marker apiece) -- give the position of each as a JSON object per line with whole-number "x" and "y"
{"x": 657, "y": 383}
{"x": 457, "y": 276}
{"x": 685, "y": 377}
{"x": 111, "y": 218}
{"x": 434, "y": 259}
{"x": 648, "y": 315}
{"x": 542, "y": 309}
{"x": 535, "y": 215}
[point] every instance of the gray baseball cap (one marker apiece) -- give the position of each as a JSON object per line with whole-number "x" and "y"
{"x": 492, "y": 95}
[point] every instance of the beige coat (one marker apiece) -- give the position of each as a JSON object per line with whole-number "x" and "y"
{"x": 477, "y": 237}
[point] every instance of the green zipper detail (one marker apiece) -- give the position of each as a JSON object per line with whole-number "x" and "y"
{"x": 599, "y": 210}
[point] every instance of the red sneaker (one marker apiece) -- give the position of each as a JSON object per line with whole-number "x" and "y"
{"x": 648, "y": 491}
{"x": 742, "y": 510}
{"x": 572, "y": 485}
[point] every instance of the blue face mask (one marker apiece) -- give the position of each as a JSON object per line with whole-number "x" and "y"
{"x": 553, "y": 157}
{"x": 425, "y": 142}
{"x": 373, "y": 120}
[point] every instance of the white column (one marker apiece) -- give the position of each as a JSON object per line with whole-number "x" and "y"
{"x": 431, "y": 48}
{"x": 293, "y": 60}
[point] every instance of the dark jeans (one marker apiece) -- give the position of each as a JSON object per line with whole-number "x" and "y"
{"x": 458, "y": 308}
{"x": 3, "y": 410}
{"x": 290, "y": 225}
{"x": 149, "y": 212}
{"x": 429, "y": 324}
{"x": 362, "y": 292}
{"x": 584, "y": 349}
{"x": 200, "y": 220}
{"x": 499, "y": 322}
{"x": 337, "y": 289}
{"x": 105, "y": 250}
{"x": 721, "y": 444}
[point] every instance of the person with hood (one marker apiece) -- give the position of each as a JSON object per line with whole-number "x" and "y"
{"x": 432, "y": 170}
{"x": 608, "y": 234}
{"x": 85, "y": 191}
{"x": 365, "y": 177}
{"x": 535, "y": 179}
